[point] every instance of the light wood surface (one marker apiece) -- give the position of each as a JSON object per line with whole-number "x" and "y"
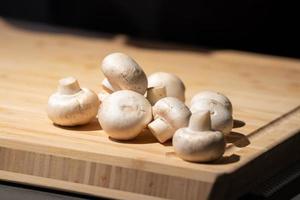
{"x": 265, "y": 92}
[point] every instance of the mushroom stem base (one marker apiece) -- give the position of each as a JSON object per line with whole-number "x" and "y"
{"x": 161, "y": 130}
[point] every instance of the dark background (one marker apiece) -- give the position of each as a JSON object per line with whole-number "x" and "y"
{"x": 267, "y": 26}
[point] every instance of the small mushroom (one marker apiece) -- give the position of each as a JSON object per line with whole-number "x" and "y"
{"x": 174, "y": 86}
{"x": 72, "y": 105}
{"x": 215, "y": 96}
{"x": 221, "y": 118}
{"x": 197, "y": 142}
{"x": 169, "y": 115}
{"x": 123, "y": 73}
{"x": 124, "y": 114}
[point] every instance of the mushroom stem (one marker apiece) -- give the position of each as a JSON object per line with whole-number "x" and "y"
{"x": 68, "y": 85}
{"x": 161, "y": 129}
{"x": 107, "y": 86}
{"x": 156, "y": 93}
{"x": 200, "y": 121}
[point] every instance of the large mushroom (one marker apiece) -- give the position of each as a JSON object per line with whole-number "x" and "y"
{"x": 124, "y": 114}
{"x": 72, "y": 105}
{"x": 197, "y": 142}
{"x": 123, "y": 73}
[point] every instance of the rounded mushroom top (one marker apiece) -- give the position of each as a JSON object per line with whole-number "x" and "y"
{"x": 172, "y": 110}
{"x": 124, "y": 114}
{"x": 197, "y": 142}
{"x": 72, "y": 105}
{"x": 221, "y": 118}
{"x": 173, "y": 84}
{"x": 123, "y": 73}
{"x": 215, "y": 96}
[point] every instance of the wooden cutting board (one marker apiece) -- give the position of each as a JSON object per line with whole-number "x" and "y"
{"x": 265, "y": 92}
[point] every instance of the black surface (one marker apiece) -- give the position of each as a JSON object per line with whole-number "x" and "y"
{"x": 262, "y": 26}
{"x": 15, "y": 191}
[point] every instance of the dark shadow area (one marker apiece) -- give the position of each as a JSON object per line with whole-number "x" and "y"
{"x": 143, "y": 138}
{"x": 168, "y": 143}
{"x": 238, "y": 123}
{"x": 57, "y": 29}
{"x": 92, "y": 126}
{"x": 158, "y": 45}
{"x": 237, "y": 139}
{"x": 227, "y": 160}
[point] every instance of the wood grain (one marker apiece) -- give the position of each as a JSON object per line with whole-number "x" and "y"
{"x": 265, "y": 92}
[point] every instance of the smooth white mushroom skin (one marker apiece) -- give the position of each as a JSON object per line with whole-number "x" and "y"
{"x": 123, "y": 73}
{"x": 217, "y": 96}
{"x": 102, "y": 96}
{"x": 174, "y": 85}
{"x": 221, "y": 118}
{"x": 169, "y": 114}
{"x": 156, "y": 93}
{"x": 72, "y": 105}
{"x": 197, "y": 143}
{"x": 124, "y": 114}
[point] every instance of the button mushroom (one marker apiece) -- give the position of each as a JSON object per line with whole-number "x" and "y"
{"x": 215, "y": 96}
{"x": 124, "y": 114}
{"x": 173, "y": 85}
{"x": 197, "y": 142}
{"x": 221, "y": 118}
{"x": 123, "y": 73}
{"x": 72, "y": 105}
{"x": 169, "y": 114}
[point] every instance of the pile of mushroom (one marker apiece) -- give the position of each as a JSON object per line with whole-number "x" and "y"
{"x": 130, "y": 103}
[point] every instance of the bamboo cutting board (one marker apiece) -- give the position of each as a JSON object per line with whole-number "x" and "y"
{"x": 265, "y": 92}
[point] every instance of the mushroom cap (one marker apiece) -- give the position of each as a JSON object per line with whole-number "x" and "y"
{"x": 197, "y": 146}
{"x": 123, "y": 73}
{"x": 221, "y": 118}
{"x": 124, "y": 114}
{"x": 173, "y": 84}
{"x": 72, "y": 105}
{"x": 197, "y": 142}
{"x": 215, "y": 96}
{"x": 172, "y": 110}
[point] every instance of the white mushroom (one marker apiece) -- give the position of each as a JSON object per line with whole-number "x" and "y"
{"x": 72, "y": 105}
{"x": 197, "y": 142}
{"x": 124, "y": 114}
{"x": 215, "y": 96}
{"x": 174, "y": 86}
{"x": 221, "y": 118}
{"x": 169, "y": 114}
{"x": 123, "y": 73}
